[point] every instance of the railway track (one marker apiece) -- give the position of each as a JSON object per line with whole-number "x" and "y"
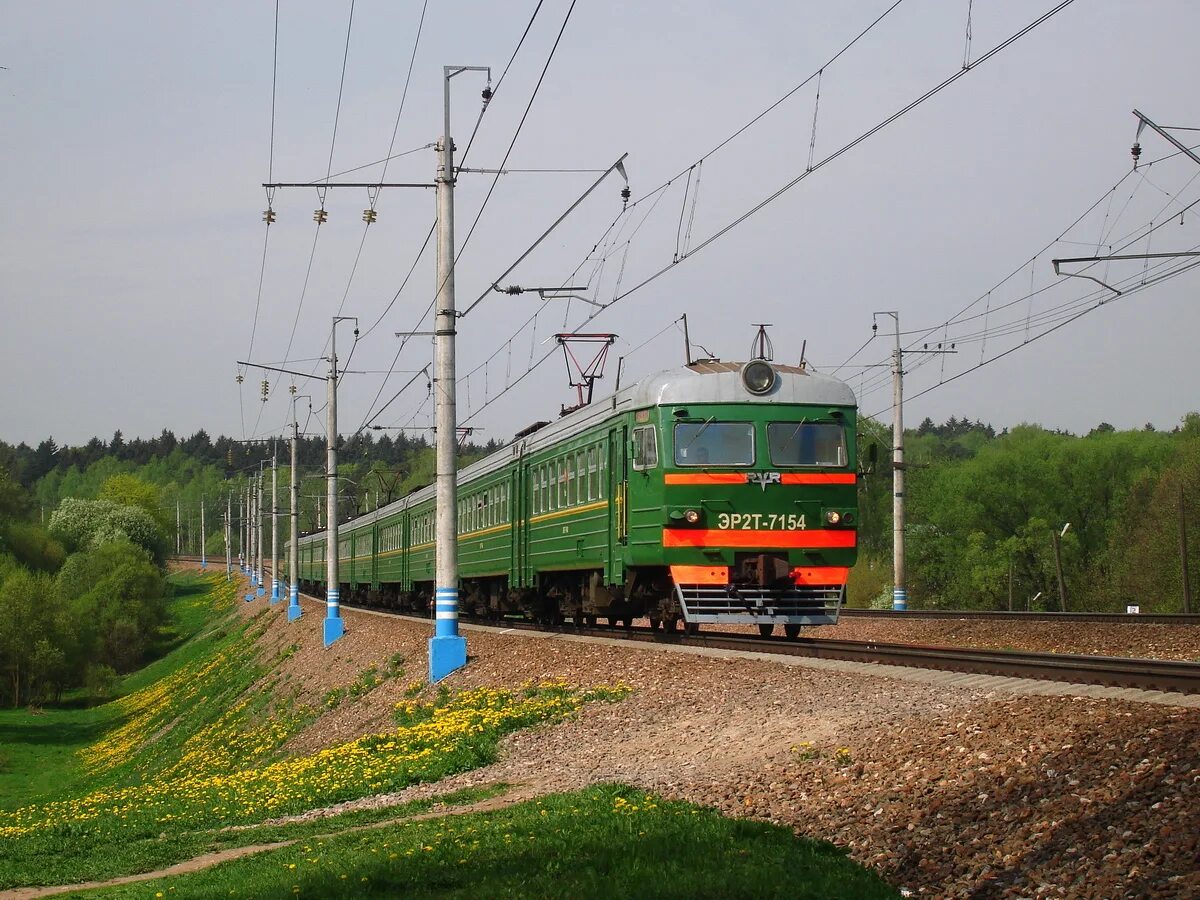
{"x": 1006, "y": 616}
{"x": 1170, "y": 676}
{"x": 1144, "y": 674}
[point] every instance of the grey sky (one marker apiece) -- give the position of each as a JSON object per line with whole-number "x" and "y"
{"x": 136, "y": 135}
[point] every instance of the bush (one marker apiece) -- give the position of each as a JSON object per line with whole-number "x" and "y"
{"x": 100, "y": 681}
{"x": 31, "y": 545}
{"x": 90, "y": 524}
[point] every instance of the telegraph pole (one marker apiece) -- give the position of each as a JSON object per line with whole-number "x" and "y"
{"x": 203, "y": 537}
{"x": 899, "y": 587}
{"x": 1062, "y": 583}
{"x": 447, "y": 649}
{"x": 274, "y": 525}
{"x": 228, "y": 536}
{"x": 178, "y": 533}
{"x": 1183, "y": 553}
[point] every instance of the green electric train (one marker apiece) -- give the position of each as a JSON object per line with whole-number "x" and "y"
{"x": 716, "y": 492}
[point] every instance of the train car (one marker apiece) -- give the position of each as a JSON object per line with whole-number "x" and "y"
{"x": 717, "y": 492}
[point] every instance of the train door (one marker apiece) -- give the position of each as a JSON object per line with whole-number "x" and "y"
{"x": 516, "y": 518}
{"x": 616, "y": 486}
{"x": 523, "y": 509}
{"x": 374, "y": 565}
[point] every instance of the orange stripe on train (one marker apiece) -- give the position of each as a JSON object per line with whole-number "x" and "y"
{"x": 704, "y": 478}
{"x": 818, "y": 478}
{"x": 713, "y": 537}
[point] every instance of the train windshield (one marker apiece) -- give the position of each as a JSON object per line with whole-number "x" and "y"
{"x": 806, "y": 444}
{"x": 710, "y": 443}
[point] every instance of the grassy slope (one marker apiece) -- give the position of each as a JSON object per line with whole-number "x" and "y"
{"x": 608, "y": 841}
{"x": 588, "y": 844}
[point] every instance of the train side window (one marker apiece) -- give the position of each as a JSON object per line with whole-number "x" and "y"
{"x": 601, "y": 463}
{"x": 645, "y": 447}
{"x": 572, "y": 481}
{"x": 562, "y": 483}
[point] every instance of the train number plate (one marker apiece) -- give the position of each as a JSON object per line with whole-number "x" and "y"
{"x": 761, "y": 521}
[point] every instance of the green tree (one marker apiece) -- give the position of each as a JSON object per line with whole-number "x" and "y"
{"x": 21, "y": 595}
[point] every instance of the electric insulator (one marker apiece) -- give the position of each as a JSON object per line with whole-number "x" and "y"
{"x": 320, "y": 216}
{"x": 239, "y": 378}
{"x": 266, "y": 389}
{"x": 292, "y": 389}
{"x": 269, "y": 216}
{"x": 487, "y": 93}
{"x": 626, "y": 193}
{"x": 369, "y": 216}
{"x": 1136, "y": 151}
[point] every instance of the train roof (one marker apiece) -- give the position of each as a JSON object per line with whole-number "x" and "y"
{"x": 705, "y": 381}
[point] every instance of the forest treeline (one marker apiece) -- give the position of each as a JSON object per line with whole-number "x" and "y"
{"x": 983, "y": 508}
{"x": 982, "y": 504}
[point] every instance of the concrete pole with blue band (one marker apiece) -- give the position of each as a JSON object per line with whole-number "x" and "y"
{"x": 334, "y": 626}
{"x": 258, "y": 524}
{"x": 203, "y": 537}
{"x": 294, "y": 611}
{"x": 274, "y": 525}
{"x": 447, "y": 649}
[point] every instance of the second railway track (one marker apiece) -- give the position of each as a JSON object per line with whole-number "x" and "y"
{"x": 1170, "y": 676}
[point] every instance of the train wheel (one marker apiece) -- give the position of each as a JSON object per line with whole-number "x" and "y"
{"x": 791, "y": 631}
{"x": 612, "y": 621}
{"x": 655, "y": 623}
{"x": 691, "y": 628}
{"x": 628, "y": 623}
{"x": 766, "y": 630}
{"x": 590, "y": 620}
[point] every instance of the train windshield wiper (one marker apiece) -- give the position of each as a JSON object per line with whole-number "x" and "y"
{"x": 695, "y": 436}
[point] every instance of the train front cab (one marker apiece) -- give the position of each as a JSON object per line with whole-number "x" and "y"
{"x": 759, "y": 510}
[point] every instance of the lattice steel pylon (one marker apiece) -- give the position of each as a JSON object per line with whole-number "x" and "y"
{"x": 584, "y": 377}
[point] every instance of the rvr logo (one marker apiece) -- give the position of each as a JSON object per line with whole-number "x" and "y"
{"x": 762, "y": 479}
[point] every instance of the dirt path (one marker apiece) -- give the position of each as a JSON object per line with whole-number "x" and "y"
{"x": 208, "y": 860}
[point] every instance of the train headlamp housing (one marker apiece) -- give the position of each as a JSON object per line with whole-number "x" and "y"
{"x": 692, "y": 516}
{"x": 832, "y": 516}
{"x": 758, "y": 376}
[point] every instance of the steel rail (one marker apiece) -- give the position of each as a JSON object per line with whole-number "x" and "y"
{"x": 1005, "y": 616}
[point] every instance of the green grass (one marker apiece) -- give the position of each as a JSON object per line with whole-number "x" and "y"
{"x": 608, "y": 841}
{"x": 41, "y": 749}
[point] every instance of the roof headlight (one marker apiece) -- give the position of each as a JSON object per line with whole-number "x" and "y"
{"x": 758, "y": 376}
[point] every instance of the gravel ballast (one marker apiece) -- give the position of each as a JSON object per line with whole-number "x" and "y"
{"x": 947, "y": 791}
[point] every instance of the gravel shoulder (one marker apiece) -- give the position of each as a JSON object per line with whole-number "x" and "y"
{"x": 947, "y": 791}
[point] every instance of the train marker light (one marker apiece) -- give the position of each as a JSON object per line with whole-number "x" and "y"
{"x": 758, "y": 376}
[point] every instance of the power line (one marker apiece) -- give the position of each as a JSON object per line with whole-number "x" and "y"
{"x": 931, "y": 92}
{"x": 461, "y": 161}
{"x": 341, "y": 84}
{"x": 1179, "y": 270}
